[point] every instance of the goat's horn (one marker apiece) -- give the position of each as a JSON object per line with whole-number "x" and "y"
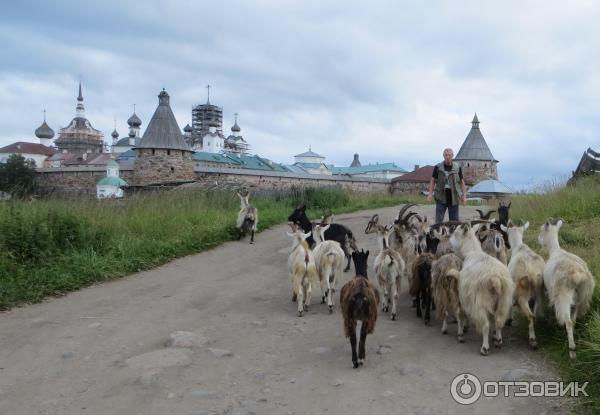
{"x": 404, "y": 209}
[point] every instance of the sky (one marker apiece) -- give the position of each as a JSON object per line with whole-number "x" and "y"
{"x": 392, "y": 81}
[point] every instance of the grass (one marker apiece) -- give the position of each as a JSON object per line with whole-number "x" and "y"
{"x": 579, "y": 207}
{"x": 51, "y": 247}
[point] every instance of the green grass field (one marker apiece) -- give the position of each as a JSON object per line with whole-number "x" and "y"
{"x": 51, "y": 247}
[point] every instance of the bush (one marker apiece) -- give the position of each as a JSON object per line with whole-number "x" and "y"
{"x": 17, "y": 176}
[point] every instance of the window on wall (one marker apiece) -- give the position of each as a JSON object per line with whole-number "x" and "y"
{"x": 152, "y": 151}
{"x": 168, "y": 152}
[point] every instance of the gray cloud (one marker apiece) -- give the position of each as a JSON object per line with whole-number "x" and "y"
{"x": 390, "y": 81}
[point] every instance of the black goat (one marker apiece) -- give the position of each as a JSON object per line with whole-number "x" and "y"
{"x": 359, "y": 301}
{"x": 420, "y": 285}
{"x": 336, "y": 232}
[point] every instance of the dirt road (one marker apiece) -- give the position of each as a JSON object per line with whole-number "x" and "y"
{"x": 103, "y": 350}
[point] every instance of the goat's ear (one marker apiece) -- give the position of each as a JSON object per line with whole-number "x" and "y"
{"x": 326, "y": 227}
{"x": 508, "y": 206}
{"x": 504, "y": 228}
{"x": 526, "y": 226}
{"x": 291, "y": 235}
{"x": 307, "y": 235}
{"x": 559, "y": 223}
{"x": 366, "y": 254}
{"x": 475, "y": 228}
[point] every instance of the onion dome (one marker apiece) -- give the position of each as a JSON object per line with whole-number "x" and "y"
{"x": 115, "y": 134}
{"x": 187, "y": 129}
{"x": 236, "y": 128}
{"x": 134, "y": 121}
{"x": 44, "y": 131}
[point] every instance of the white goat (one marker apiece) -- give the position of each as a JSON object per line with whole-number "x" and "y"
{"x": 389, "y": 267}
{"x": 303, "y": 272}
{"x": 526, "y": 269}
{"x": 568, "y": 280}
{"x": 485, "y": 287}
{"x": 247, "y": 218}
{"x": 329, "y": 260}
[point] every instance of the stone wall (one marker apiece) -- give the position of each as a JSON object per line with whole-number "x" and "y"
{"x": 73, "y": 180}
{"x": 400, "y": 187}
{"x": 475, "y": 171}
{"x": 82, "y": 180}
{"x": 155, "y": 166}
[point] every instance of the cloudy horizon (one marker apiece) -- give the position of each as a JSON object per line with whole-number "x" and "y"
{"x": 391, "y": 82}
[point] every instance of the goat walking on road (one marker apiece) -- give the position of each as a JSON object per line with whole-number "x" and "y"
{"x": 359, "y": 301}
{"x": 247, "y": 218}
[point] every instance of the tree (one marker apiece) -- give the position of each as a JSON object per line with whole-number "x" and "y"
{"x": 17, "y": 175}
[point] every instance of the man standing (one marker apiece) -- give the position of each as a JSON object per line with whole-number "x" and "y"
{"x": 447, "y": 177}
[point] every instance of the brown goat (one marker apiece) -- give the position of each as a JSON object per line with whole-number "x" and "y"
{"x": 359, "y": 301}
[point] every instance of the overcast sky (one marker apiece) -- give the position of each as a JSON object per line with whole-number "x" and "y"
{"x": 392, "y": 81}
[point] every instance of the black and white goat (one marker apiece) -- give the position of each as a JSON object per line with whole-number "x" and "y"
{"x": 336, "y": 232}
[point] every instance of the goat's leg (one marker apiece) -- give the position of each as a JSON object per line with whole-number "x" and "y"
{"x": 427, "y": 305}
{"x": 348, "y": 257}
{"x": 418, "y": 299}
{"x": 572, "y": 348}
{"x": 252, "y": 237}
{"x": 308, "y": 288}
{"x": 460, "y": 321}
{"x": 330, "y": 291}
{"x": 353, "y": 346}
{"x": 300, "y": 296}
{"x": 485, "y": 331}
{"x": 384, "y": 304}
{"x": 394, "y": 297}
{"x": 363, "y": 340}
{"x": 526, "y": 310}
{"x": 445, "y": 323}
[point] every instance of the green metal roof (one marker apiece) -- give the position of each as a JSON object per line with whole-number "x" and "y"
{"x": 367, "y": 168}
{"x": 112, "y": 181}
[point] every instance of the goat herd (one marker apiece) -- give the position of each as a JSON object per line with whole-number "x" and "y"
{"x": 458, "y": 269}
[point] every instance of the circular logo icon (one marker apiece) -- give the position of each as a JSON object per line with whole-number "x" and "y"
{"x": 465, "y": 389}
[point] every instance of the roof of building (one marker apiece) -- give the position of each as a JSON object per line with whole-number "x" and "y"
{"x": 368, "y": 168}
{"x": 112, "y": 163}
{"x": 312, "y": 165}
{"x": 251, "y": 162}
{"x": 491, "y": 186}
{"x": 124, "y": 142}
{"x": 420, "y": 175}
{"x": 134, "y": 121}
{"x": 22, "y": 147}
{"x": 162, "y": 130}
{"x": 44, "y": 131}
{"x": 80, "y": 124}
{"x": 355, "y": 162}
{"x": 88, "y": 159}
{"x": 309, "y": 153}
{"x": 474, "y": 147}
{"x": 112, "y": 181}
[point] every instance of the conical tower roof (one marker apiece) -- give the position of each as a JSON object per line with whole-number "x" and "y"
{"x": 474, "y": 146}
{"x": 162, "y": 130}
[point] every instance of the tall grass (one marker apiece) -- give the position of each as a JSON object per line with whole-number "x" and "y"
{"x": 50, "y": 247}
{"x": 579, "y": 207}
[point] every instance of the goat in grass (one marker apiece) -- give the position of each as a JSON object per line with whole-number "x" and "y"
{"x": 247, "y": 218}
{"x": 568, "y": 280}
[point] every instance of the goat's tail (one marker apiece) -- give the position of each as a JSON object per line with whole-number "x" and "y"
{"x": 495, "y": 288}
{"x": 388, "y": 261}
{"x": 351, "y": 241}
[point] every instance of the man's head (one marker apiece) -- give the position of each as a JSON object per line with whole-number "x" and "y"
{"x": 448, "y": 155}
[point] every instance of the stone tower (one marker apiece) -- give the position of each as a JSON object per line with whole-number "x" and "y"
{"x": 475, "y": 157}
{"x": 162, "y": 156}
